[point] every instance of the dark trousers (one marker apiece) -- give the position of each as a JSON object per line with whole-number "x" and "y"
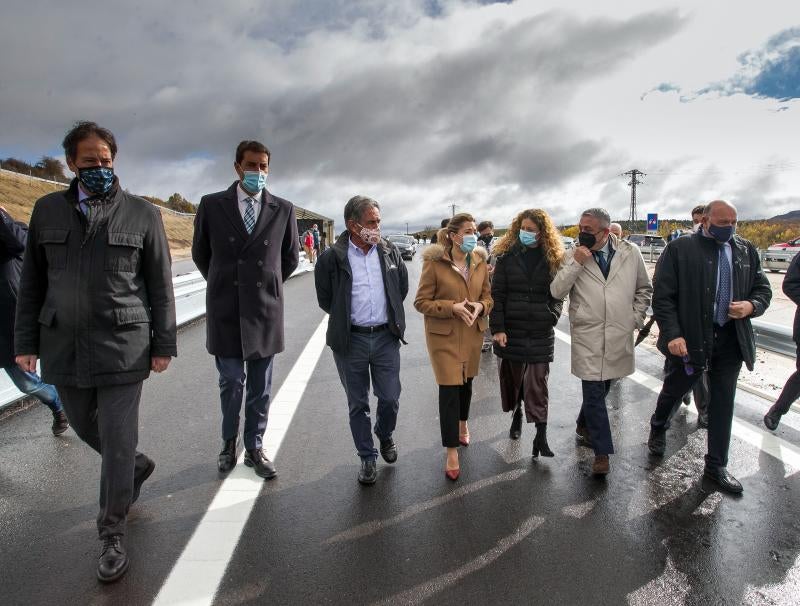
{"x": 377, "y": 355}
{"x": 232, "y": 382}
{"x": 791, "y": 390}
{"x": 526, "y": 382}
{"x": 454, "y": 403}
{"x": 594, "y": 416}
{"x": 107, "y": 419}
{"x": 723, "y": 372}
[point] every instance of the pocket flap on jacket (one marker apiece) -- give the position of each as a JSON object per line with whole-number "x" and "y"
{"x": 53, "y": 236}
{"x": 131, "y": 315}
{"x": 47, "y": 316}
{"x": 121, "y": 238}
{"x": 440, "y": 326}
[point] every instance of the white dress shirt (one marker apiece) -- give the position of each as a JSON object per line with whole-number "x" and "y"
{"x": 243, "y": 195}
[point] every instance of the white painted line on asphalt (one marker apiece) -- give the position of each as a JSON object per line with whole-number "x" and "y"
{"x": 762, "y": 439}
{"x": 424, "y": 591}
{"x": 196, "y": 576}
{"x": 368, "y": 528}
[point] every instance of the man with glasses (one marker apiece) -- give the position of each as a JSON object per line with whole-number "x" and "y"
{"x": 609, "y": 293}
{"x": 709, "y": 286}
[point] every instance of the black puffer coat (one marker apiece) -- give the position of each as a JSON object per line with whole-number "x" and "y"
{"x": 523, "y": 307}
{"x": 13, "y": 236}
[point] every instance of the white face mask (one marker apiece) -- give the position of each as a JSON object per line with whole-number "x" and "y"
{"x": 370, "y": 235}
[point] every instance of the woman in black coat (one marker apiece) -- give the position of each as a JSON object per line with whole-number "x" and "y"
{"x": 523, "y": 318}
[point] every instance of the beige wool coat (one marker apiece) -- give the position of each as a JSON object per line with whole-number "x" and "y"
{"x": 603, "y": 313}
{"x": 454, "y": 348}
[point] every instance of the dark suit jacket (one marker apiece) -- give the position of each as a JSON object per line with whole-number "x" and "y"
{"x": 13, "y": 235}
{"x": 245, "y": 273}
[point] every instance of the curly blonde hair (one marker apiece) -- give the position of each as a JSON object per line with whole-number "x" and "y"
{"x": 549, "y": 238}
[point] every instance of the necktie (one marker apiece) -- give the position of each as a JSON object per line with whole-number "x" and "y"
{"x": 600, "y": 257}
{"x": 250, "y": 215}
{"x": 724, "y": 289}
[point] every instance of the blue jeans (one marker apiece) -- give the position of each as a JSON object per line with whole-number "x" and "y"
{"x": 376, "y": 354}
{"x": 232, "y": 382}
{"x": 31, "y": 384}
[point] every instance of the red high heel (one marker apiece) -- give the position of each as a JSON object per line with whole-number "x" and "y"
{"x": 463, "y": 439}
{"x": 452, "y": 474}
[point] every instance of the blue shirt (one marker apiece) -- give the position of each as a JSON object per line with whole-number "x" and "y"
{"x": 368, "y": 297}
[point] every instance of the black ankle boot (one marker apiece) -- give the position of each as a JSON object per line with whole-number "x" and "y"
{"x": 773, "y": 416}
{"x": 540, "y": 442}
{"x": 516, "y": 424}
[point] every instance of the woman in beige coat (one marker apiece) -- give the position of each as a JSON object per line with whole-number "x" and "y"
{"x": 454, "y": 296}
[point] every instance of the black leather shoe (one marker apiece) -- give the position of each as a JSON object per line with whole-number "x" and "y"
{"x": 140, "y": 479}
{"x": 389, "y": 450}
{"x": 113, "y": 562}
{"x": 368, "y": 472}
{"x": 724, "y": 480}
{"x": 516, "y": 424}
{"x": 773, "y": 417}
{"x": 583, "y": 436}
{"x": 657, "y": 442}
{"x": 260, "y": 463}
{"x": 227, "y": 457}
{"x": 60, "y": 423}
{"x": 702, "y": 419}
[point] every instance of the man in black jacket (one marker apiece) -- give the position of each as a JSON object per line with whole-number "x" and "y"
{"x": 709, "y": 286}
{"x": 361, "y": 282}
{"x": 791, "y": 390}
{"x": 245, "y": 245}
{"x": 13, "y": 236}
{"x": 96, "y": 304}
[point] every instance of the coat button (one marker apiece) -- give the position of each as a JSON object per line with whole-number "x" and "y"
{"x": 266, "y": 242}
{"x": 260, "y": 263}
{"x": 231, "y": 239}
{"x": 236, "y": 282}
{"x": 258, "y": 284}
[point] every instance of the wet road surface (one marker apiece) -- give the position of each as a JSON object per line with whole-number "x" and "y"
{"x": 512, "y": 529}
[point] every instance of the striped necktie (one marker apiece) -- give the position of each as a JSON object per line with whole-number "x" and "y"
{"x": 724, "y": 288}
{"x": 250, "y": 215}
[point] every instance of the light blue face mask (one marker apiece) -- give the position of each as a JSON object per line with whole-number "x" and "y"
{"x": 254, "y": 181}
{"x": 527, "y": 238}
{"x": 468, "y": 243}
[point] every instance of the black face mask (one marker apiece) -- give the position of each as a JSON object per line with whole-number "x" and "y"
{"x": 486, "y": 238}
{"x": 586, "y": 239}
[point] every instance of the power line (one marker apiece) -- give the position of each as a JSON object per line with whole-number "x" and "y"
{"x": 633, "y": 174}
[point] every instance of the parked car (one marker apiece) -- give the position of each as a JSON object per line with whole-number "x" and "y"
{"x": 790, "y": 246}
{"x": 407, "y": 245}
{"x": 647, "y": 240}
{"x": 568, "y": 242}
{"x": 777, "y": 259}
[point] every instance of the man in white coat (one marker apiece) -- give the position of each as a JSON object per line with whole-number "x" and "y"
{"x": 609, "y": 293}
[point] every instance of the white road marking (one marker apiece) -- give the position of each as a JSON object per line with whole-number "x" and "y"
{"x": 779, "y": 448}
{"x": 196, "y": 576}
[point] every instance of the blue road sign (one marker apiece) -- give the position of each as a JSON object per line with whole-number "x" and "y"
{"x": 652, "y": 221}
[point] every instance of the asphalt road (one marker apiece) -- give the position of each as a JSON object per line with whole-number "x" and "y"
{"x": 511, "y": 530}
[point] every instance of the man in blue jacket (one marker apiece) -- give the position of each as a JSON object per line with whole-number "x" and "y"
{"x": 361, "y": 282}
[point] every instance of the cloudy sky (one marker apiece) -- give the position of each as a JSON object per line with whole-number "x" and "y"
{"x": 493, "y": 106}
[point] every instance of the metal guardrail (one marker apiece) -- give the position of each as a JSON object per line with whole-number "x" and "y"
{"x": 774, "y": 338}
{"x": 190, "y": 304}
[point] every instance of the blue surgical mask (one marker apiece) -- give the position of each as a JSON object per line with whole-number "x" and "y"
{"x": 97, "y": 179}
{"x": 721, "y": 233}
{"x": 527, "y": 238}
{"x": 468, "y": 243}
{"x": 254, "y": 181}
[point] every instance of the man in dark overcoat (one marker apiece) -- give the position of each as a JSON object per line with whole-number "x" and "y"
{"x": 245, "y": 245}
{"x": 96, "y": 304}
{"x": 13, "y": 236}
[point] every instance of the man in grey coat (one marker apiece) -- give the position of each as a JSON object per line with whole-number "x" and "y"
{"x": 245, "y": 245}
{"x": 96, "y": 305}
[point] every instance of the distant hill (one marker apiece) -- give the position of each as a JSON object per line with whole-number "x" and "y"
{"x": 792, "y": 215}
{"x": 18, "y": 193}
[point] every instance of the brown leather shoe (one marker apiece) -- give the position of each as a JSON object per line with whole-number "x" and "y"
{"x": 600, "y": 467}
